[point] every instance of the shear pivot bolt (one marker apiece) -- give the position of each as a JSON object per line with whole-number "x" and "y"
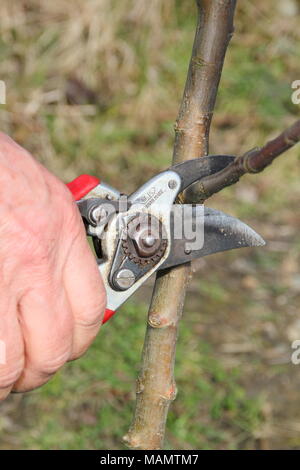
{"x": 144, "y": 233}
{"x": 172, "y": 184}
{"x": 97, "y": 214}
{"x": 149, "y": 241}
{"x": 124, "y": 279}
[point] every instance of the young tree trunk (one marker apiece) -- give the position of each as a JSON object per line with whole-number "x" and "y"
{"x": 156, "y": 384}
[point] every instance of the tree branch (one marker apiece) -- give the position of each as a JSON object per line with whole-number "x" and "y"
{"x": 156, "y": 385}
{"x": 254, "y": 161}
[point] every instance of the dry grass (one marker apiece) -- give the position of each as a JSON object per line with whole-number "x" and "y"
{"x": 128, "y": 54}
{"x": 114, "y": 48}
{"x": 101, "y": 42}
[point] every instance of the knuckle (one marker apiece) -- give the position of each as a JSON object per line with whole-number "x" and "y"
{"x": 82, "y": 341}
{"x": 93, "y": 314}
{"x": 51, "y": 365}
{"x": 4, "y": 392}
{"x": 81, "y": 349}
{"x": 9, "y": 377}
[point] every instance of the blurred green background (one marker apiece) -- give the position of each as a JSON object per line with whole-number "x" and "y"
{"x": 94, "y": 86}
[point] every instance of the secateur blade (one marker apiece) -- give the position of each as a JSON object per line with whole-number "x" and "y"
{"x": 191, "y": 171}
{"x": 186, "y": 173}
{"x": 127, "y": 262}
{"x": 221, "y": 232}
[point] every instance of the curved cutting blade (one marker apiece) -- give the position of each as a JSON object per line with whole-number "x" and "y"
{"x": 221, "y": 232}
{"x": 194, "y": 170}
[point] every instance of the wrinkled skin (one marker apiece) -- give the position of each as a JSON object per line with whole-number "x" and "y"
{"x": 51, "y": 294}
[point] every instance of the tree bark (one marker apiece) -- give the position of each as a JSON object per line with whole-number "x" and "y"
{"x": 156, "y": 384}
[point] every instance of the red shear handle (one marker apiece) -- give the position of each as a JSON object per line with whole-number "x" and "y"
{"x": 107, "y": 315}
{"x": 82, "y": 185}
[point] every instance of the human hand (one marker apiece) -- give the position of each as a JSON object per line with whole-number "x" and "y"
{"x": 51, "y": 294}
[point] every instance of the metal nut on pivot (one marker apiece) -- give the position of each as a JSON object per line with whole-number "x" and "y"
{"x": 124, "y": 279}
{"x": 149, "y": 241}
{"x": 172, "y": 184}
{"x": 97, "y": 214}
{"x": 146, "y": 238}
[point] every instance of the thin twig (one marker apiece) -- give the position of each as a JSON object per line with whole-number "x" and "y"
{"x": 156, "y": 385}
{"x": 254, "y": 161}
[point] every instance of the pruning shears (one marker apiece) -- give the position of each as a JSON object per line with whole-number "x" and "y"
{"x": 148, "y": 231}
